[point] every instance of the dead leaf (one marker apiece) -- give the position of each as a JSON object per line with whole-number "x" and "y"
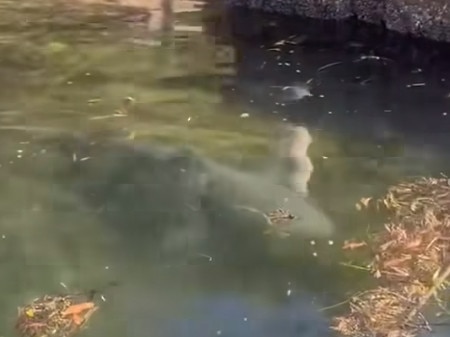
{"x": 377, "y": 274}
{"x": 351, "y": 245}
{"x": 77, "y": 319}
{"x": 396, "y": 262}
{"x": 279, "y": 43}
{"x": 77, "y": 309}
{"x": 365, "y": 201}
{"x": 414, "y": 244}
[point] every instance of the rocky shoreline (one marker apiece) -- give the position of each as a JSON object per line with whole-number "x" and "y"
{"x": 420, "y": 18}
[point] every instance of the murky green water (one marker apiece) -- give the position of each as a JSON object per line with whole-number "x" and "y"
{"x": 107, "y": 136}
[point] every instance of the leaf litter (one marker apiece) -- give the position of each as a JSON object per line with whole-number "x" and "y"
{"x": 59, "y": 316}
{"x": 409, "y": 259}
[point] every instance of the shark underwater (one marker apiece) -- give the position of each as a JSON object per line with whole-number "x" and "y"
{"x": 259, "y": 193}
{"x": 271, "y": 196}
{"x": 175, "y": 196}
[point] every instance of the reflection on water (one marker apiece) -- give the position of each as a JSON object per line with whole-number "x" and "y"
{"x": 292, "y": 157}
{"x": 153, "y": 165}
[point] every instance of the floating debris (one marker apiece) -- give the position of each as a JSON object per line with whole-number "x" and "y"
{"x": 58, "y": 316}
{"x": 129, "y": 101}
{"x": 329, "y": 65}
{"x": 115, "y": 115}
{"x": 277, "y": 221}
{"x": 376, "y": 313}
{"x": 93, "y": 101}
{"x": 422, "y": 84}
{"x": 293, "y": 93}
{"x": 280, "y": 217}
{"x": 409, "y": 258}
{"x": 352, "y": 245}
{"x": 372, "y": 58}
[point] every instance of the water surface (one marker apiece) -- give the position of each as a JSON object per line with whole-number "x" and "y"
{"x": 97, "y": 123}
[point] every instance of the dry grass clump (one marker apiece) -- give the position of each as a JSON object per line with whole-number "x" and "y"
{"x": 410, "y": 258}
{"x": 411, "y": 254}
{"x": 421, "y": 195}
{"x": 412, "y": 198}
{"x": 379, "y": 310}
{"x": 58, "y": 316}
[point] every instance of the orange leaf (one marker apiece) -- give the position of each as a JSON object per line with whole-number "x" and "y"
{"x": 78, "y": 308}
{"x": 353, "y": 245}
{"x": 77, "y": 319}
